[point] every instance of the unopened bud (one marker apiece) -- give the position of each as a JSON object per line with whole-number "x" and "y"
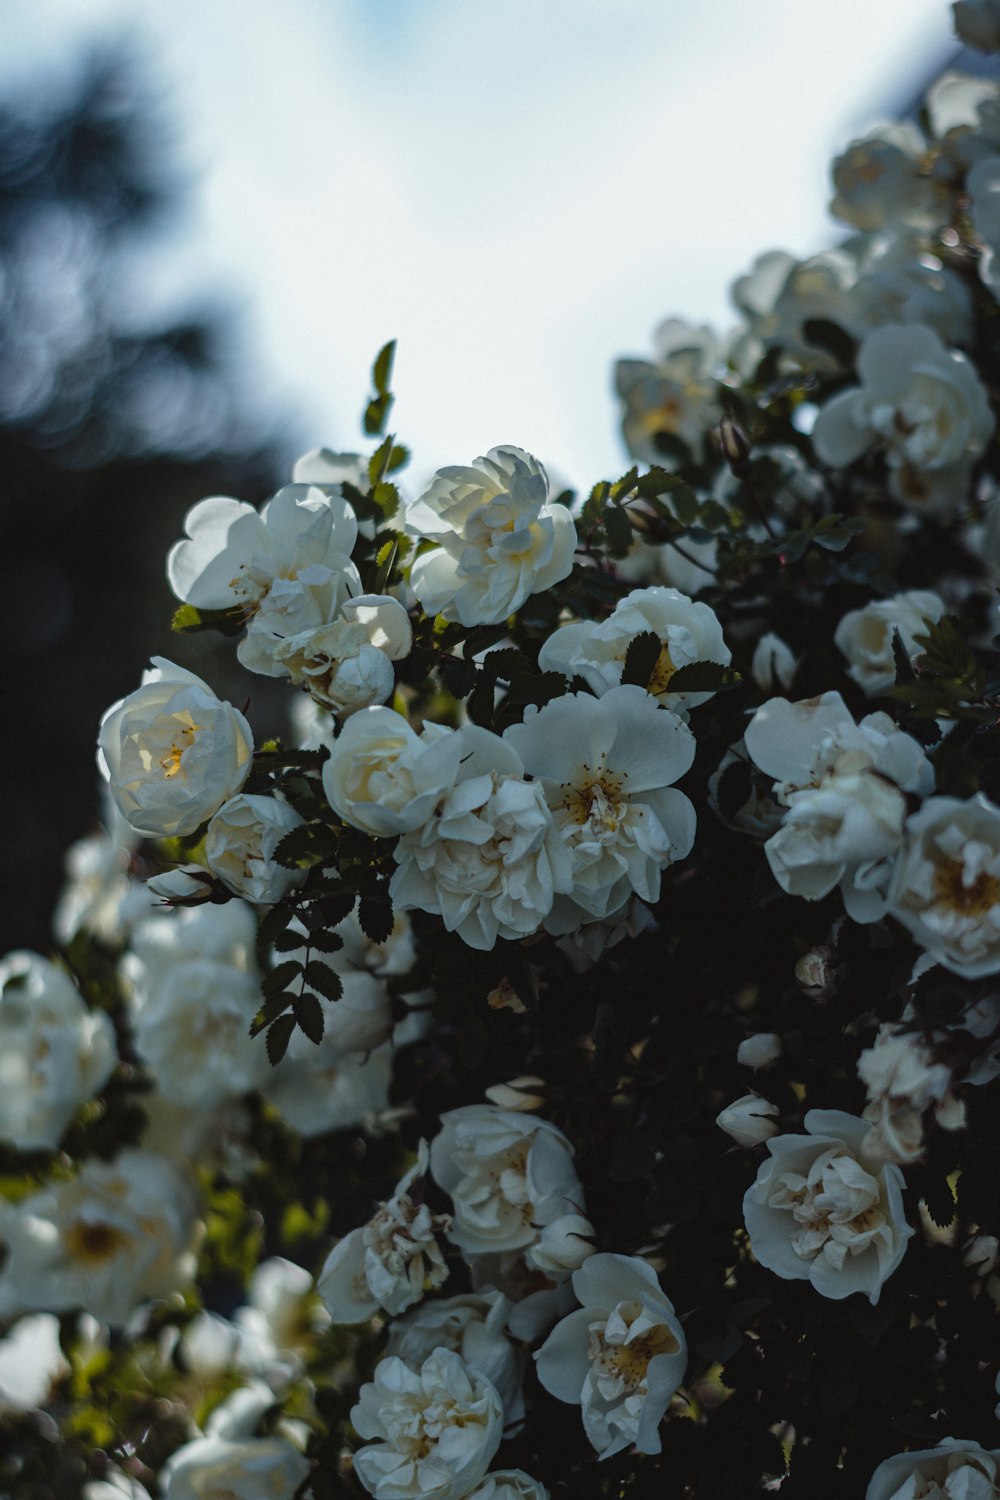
{"x": 746, "y": 1120}
{"x": 735, "y": 445}
{"x": 815, "y": 972}
{"x": 760, "y": 1050}
{"x": 186, "y": 885}
{"x": 773, "y": 665}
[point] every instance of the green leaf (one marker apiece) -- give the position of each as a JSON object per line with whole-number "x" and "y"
{"x": 378, "y": 408}
{"x": 386, "y": 497}
{"x": 385, "y": 560}
{"x": 618, "y": 529}
{"x": 324, "y": 980}
{"x": 280, "y": 976}
{"x": 326, "y": 942}
{"x": 309, "y": 1014}
{"x": 641, "y": 657}
{"x": 270, "y": 1010}
{"x": 279, "y": 1034}
{"x": 187, "y": 619}
{"x": 376, "y": 918}
{"x": 382, "y": 368}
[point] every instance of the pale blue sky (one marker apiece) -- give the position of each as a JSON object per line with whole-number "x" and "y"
{"x": 516, "y": 189}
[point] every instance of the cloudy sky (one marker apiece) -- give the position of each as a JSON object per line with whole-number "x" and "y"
{"x": 517, "y": 190}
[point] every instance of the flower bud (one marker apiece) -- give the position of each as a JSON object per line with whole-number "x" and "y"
{"x": 184, "y": 885}
{"x": 815, "y": 972}
{"x": 760, "y": 1050}
{"x": 773, "y": 665}
{"x": 735, "y": 445}
{"x": 746, "y": 1120}
{"x": 981, "y": 1252}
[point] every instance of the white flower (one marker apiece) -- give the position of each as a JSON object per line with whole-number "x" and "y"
{"x": 773, "y": 665}
{"x": 103, "y": 1241}
{"x": 688, "y": 632}
{"x": 955, "y": 1470}
{"x": 172, "y": 752}
{"x": 323, "y": 1088}
{"x": 779, "y": 294}
{"x": 54, "y": 1052}
{"x": 746, "y": 1120}
{"x": 499, "y": 540}
{"x": 844, "y": 786}
{"x": 99, "y": 896}
{"x": 760, "y": 1050}
{"x": 584, "y": 945}
{"x": 900, "y": 282}
{"x": 184, "y": 885}
{"x": 902, "y": 1080}
{"x": 490, "y": 860}
{"x": 823, "y": 1211}
{"x": 509, "y": 1484}
{"x": 983, "y": 187}
{"x": 240, "y": 845}
{"x": 288, "y": 568}
{"x": 508, "y": 1175}
{"x": 391, "y": 1261}
{"x": 254, "y": 1468}
{"x": 562, "y": 1247}
{"x": 864, "y": 636}
{"x": 383, "y": 778}
{"x": 621, "y": 1355}
{"x": 347, "y": 664}
{"x": 275, "y": 1326}
{"x": 879, "y": 182}
{"x": 439, "y": 1427}
{"x": 946, "y": 883}
{"x": 195, "y": 991}
{"x": 977, "y": 23}
{"x": 924, "y": 404}
{"x": 114, "y": 1486}
{"x": 677, "y": 395}
{"x": 606, "y": 765}
{"x": 473, "y": 1325}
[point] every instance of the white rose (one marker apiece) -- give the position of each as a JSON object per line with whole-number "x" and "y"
{"x": 509, "y": 1484}
{"x": 115, "y": 1486}
{"x": 923, "y": 403}
{"x": 508, "y": 1175}
{"x": 240, "y": 845}
{"x": 621, "y": 1355}
{"x": 99, "y": 896}
{"x": 844, "y": 786}
{"x": 689, "y": 632}
{"x": 184, "y": 885}
{"x": 438, "y": 1427}
{"x": 864, "y": 636}
{"x": 879, "y": 182}
{"x": 383, "y": 778}
{"x": 584, "y": 945}
{"x": 823, "y": 1211}
{"x": 977, "y": 23}
{"x": 746, "y": 1120}
{"x": 779, "y": 294}
{"x": 954, "y": 1470}
{"x": 490, "y": 859}
{"x": 606, "y": 766}
{"x": 899, "y": 282}
{"x": 499, "y": 541}
{"x": 213, "y": 1468}
{"x": 391, "y": 1261}
{"x": 173, "y": 752}
{"x": 946, "y": 883}
{"x": 54, "y": 1052}
{"x": 317, "y": 1089}
{"x": 347, "y": 664}
{"x": 473, "y": 1325}
{"x": 902, "y": 1080}
{"x": 677, "y": 395}
{"x": 102, "y": 1241}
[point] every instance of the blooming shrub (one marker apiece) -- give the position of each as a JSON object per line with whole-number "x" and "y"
{"x": 566, "y": 1064}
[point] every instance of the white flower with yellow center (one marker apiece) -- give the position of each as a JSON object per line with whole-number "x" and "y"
{"x": 102, "y": 1241}
{"x": 946, "y": 883}
{"x": 473, "y": 1324}
{"x": 172, "y": 752}
{"x": 384, "y": 778}
{"x": 620, "y": 1356}
{"x": 864, "y": 636}
{"x": 438, "y": 1428}
{"x": 676, "y": 394}
{"x": 822, "y": 1210}
{"x": 240, "y": 845}
{"x": 298, "y": 550}
{"x": 688, "y": 632}
{"x": 217, "y": 1468}
{"x": 880, "y": 183}
{"x": 606, "y": 765}
{"x": 498, "y": 538}
{"x": 347, "y": 664}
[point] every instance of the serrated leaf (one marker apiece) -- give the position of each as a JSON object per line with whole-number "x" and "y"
{"x": 272, "y": 924}
{"x": 458, "y": 675}
{"x": 326, "y": 942}
{"x": 270, "y": 1010}
{"x": 386, "y": 497}
{"x": 309, "y": 1014}
{"x": 641, "y": 657}
{"x": 324, "y": 980}
{"x": 379, "y": 462}
{"x": 382, "y": 368}
{"x": 281, "y": 976}
{"x": 294, "y": 846}
{"x": 385, "y": 560}
{"x": 376, "y": 919}
{"x": 618, "y": 529}
{"x": 279, "y": 1034}
{"x": 289, "y": 941}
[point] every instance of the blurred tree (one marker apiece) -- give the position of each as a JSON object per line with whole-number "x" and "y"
{"x": 110, "y": 427}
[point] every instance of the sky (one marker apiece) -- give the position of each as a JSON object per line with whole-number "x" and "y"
{"x": 518, "y": 191}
